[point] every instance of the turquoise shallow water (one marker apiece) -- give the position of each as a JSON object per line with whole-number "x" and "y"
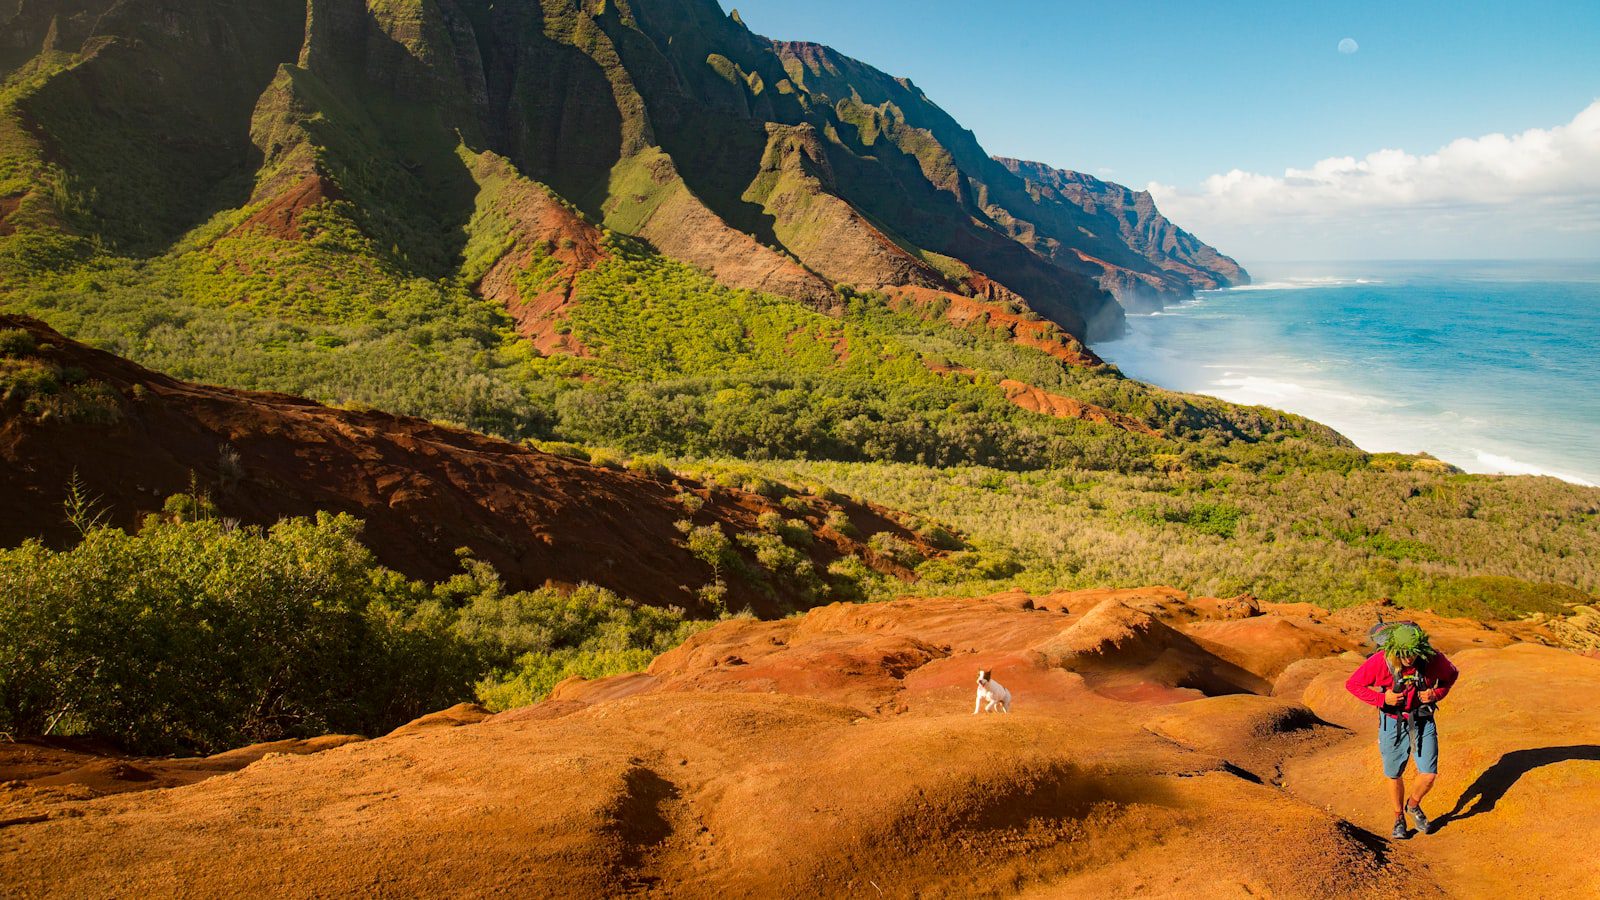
{"x": 1494, "y": 367}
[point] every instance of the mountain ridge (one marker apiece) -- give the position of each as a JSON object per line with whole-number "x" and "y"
{"x": 777, "y": 166}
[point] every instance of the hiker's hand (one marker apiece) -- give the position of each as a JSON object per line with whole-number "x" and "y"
{"x": 1428, "y": 696}
{"x": 1390, "y": 698}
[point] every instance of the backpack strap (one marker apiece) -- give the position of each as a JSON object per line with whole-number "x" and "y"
{"x": 1394, "y": 682}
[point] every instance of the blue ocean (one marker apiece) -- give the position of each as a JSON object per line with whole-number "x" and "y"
{"x": 1491, "y": 366}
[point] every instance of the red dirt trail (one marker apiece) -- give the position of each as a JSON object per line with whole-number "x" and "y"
{"x": 835, "y": 754}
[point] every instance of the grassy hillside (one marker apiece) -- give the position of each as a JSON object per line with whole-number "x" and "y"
{"x": 1474, "y": 545}
{"x": 677, "y": 362}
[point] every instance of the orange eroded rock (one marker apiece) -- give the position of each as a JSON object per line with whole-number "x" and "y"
{"x": 837, "y": 750}
{"x": 1040, "y": 401}
{"x": 962, "y": 312}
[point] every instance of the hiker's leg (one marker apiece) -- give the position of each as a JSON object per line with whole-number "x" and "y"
{"x": 1394, "y": 743}
{"x": 1427, "y": 761}
{"x": 1424, "y": 784}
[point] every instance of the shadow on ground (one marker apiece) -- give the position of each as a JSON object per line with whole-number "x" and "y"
{"x": 1489, "y": 787}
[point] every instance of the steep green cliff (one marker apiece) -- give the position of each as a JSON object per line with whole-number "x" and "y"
{"x": 783, "y": 167}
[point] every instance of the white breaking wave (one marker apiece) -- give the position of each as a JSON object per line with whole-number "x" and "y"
{"x": 1297, "y": 284}
{"x": 1377, "y": 423}
{"x": 1261, "y": 390}
{"x": 1505, "y": 465}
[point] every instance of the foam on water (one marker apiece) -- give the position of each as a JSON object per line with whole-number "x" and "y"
{"x": 1294, "y": 284}
{"x": 1491, "y": 367}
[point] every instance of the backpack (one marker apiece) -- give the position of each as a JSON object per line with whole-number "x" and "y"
{"x": 1376, "y": 636}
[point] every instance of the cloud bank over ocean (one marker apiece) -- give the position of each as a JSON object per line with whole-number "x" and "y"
{"x": 1536, "y": 193}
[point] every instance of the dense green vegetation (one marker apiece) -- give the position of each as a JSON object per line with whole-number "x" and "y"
{"x": 1481, "y": 546}
{"x": 194, "y": 635}
{"x": 682, "y": 364}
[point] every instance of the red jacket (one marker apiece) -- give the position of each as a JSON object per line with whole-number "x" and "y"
{"x": 1369, "y": 682}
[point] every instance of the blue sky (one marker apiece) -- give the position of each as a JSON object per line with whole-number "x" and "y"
{"x": 1178, "y": 93}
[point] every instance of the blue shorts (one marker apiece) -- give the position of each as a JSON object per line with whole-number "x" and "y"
{"x": 1394, "y": 741}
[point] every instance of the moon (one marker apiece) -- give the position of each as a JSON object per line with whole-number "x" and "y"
{"x": 1348, "y": 46}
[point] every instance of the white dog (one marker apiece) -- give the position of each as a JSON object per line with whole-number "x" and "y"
{"x": 990, "y": 692}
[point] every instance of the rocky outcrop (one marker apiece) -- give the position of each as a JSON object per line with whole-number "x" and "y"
{"x": 1143, "y": 257}
{"x": 1041, "y": 401}
{"x": 1008, "y": 317}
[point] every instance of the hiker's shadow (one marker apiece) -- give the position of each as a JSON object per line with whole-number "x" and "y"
{"x": 1498, "y": 778}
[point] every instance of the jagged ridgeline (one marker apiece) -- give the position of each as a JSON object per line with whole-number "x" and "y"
{"x": 779, "y": 166}
{"x": 495, "y": 213}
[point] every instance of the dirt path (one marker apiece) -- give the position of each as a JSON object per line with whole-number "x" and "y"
{"x": 835, "y": 754}
{"x": 1514, "y": 807}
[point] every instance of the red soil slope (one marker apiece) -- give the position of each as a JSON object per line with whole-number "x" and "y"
{"x": 8, "y": 205}
{"x": 962, "y": 312}
{"x": 280, "y": 217}
{"x": 541, "y": 229}
{"x": 836, "y": 754}
{"x": 423, "y": 489}
{"x": 1041, "y": 401}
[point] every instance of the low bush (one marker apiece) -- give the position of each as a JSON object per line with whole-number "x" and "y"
{"x": 192, "y": 635}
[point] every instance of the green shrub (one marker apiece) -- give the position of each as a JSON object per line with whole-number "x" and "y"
{"x": 711, "y": 546}
{"x": 1489, "y": 598}
{"x": 28, "y": 380}
{"x": 1075, "y": 528}
{"x": 796, "y": 534}
{"x": 972, "y": 565}
{"x": 561, "y": 448}
{"x": 774, "y": 555}
{"x": 895, "y": 549}
{"x": 1385, "y": 545}
{"x": 651, "y": 465}
{"x": 93, "y": 403}
{"x": 528, "y": 641}
{"x": 938, "y": 536}
{"x": 839, "y": 521}
{"x": 851, "y": 579}
{"x": 1220, "y": 519}
{"x": 15, "y": 342}
{"x": 192, "y": 635}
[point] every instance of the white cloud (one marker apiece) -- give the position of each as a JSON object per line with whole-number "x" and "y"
{"x": 1491, "y": 192}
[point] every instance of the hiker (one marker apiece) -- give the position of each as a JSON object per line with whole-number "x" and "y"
{"x": 1405, "y": 680}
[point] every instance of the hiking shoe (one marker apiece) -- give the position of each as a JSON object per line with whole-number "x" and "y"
{"x": 1419, "y": 817}
{"x": 1400, "y": 829}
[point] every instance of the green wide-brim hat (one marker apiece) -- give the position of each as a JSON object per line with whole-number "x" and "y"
{"x": 1407, "y": 640}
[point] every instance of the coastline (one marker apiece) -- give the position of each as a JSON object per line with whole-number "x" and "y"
{"x": 1381, "y": 357}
